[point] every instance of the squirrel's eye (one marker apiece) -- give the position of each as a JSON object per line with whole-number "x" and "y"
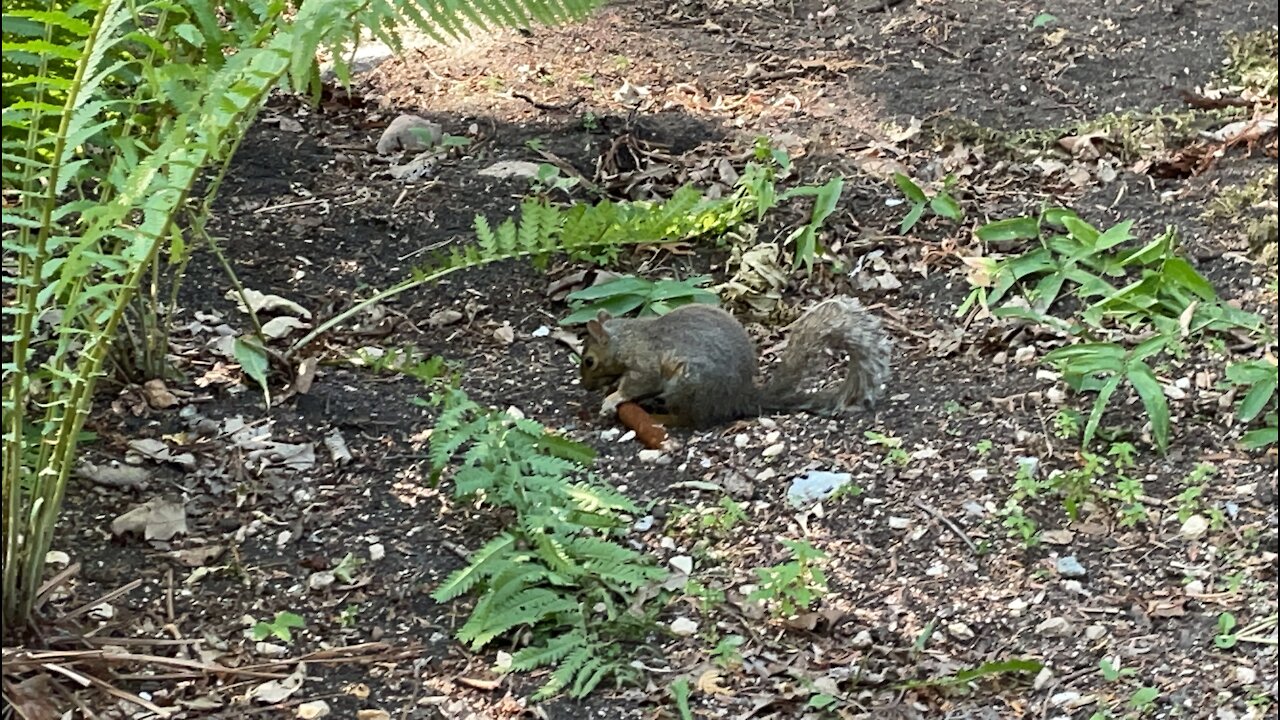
{"x": 589, "y": 361}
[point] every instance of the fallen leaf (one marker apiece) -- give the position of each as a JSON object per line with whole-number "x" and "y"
{"x": 712, "y": 683}
{"x": 274, "y": 692}
{"x": 157, "y": 519}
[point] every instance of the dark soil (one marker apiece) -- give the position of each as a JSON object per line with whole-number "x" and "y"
{"x": 312, "y": 216}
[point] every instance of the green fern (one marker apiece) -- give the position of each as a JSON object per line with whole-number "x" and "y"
{"x": 585, "y": 232}
{"x": 556, "y": 569}
{"x": 114, "y": 112}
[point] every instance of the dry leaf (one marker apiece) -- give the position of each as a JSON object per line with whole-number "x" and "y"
{"x": 274, "y": 692}
{"x": 157, "y": 519}
{"x": 711, "y": 683}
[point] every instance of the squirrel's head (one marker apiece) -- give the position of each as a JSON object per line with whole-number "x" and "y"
{"x": 601, "y": 366}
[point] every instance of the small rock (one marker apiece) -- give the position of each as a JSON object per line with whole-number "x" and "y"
{"x": 648, "y": 455}
{"x": 816, "y": 485}
{"x": 1064, "y": 698}
{"x": 978, "y": 474}
{"x": 862, "y": 640}
{"x": 313, "y": 710}
{"x": 1057, "y": 537}
{"x": 684, "y": 627}
{"x": 765, "y": 475}
{"x": 1054, "y": 627}
{"x": 1069, "y": 567}
{"x": 1042, "y": 678}
{"x": 772, "y": 437}
{"x": 610, "y": 435}
{"x": 774, "y": 450}
{"x": 1246, "y": 675}
{"x": 321, "y": 580}
{"x": 1195, "y": 527}
{"x": 682, "y": 563}
{"x": 1074, "y": 587}
{"x": 741, "y": 439}
{"x": 1193, "y": 588}
{"x": 975, "y": 508}
{"x": 267, "y": 649}
{"x": 644, "y": 524}
{"x": 377, "y": 551}
{"x": 899, "y": 523}
{"x": 960, "y": 631}
{"x": 1094, "y": 632}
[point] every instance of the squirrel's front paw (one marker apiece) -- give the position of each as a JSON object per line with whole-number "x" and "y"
{"x": 609, "y": 408}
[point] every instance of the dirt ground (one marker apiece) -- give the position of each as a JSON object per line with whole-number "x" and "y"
{"x": 934, "y": 87}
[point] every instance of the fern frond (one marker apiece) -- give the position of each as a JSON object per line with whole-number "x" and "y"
{"x": 484, "y": 562}
{"x": 551, "y": 651}
{"x": 530, "y": 606}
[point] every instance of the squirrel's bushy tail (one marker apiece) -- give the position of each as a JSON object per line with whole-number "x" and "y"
{"x": 833, "y": 328}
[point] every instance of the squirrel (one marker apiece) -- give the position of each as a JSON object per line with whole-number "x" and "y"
{"x": 699, "y": 363}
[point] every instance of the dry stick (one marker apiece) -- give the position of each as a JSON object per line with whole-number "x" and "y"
{"x": 112, "y": 595}
{"x": 53, "y": 583}
{"x": 952, "y": 526}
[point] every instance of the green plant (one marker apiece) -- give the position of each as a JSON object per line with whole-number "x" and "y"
{"x": 651, "y": 297}
{"x": 1143, "y": 699}
{"x": 550, "y": 178}
{"x": 1262, "y": 632}
{"x": 347, "y": 616}
{"x": 983, "y": 447}
{"x": 964, "y": 678}
{"x": 792, "y": 587}
{"x": 1076, "y": 258}
{"x": 1112, "y": 673}
{"x": 680, "y": 696}
{"x": 556, "y": 573}
{"x": 725, "y": 653}
{"x": 585, "y": 232}
{"x": 942, "y": 204}
{"x": 1189, "y": 499}
{"x": 707, "y": 598}
{"x": 1066, "y": 423}
{"x": 1101, "y": 367}
{"x": 1258, "y": 378}
{"x": 728, "y": 515}
{"x": 346, "y": 568}
{"x": 1225, "y": 639}
{"x": 281, "y": 627}
{"x": 113, "y": 113}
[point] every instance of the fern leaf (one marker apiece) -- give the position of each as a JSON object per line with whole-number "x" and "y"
{"x": 528, "y": 607}
{"x": 483, "y": 563}
{"x": 551, "y": 651}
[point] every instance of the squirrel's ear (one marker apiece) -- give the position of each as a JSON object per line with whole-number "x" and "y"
{"x": 603, "y": 316}
{"x": 595, "y": 328}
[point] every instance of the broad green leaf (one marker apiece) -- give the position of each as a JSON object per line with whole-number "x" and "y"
{"x": 946, "y": 206}
{"x": 1179, "y": 271}
{"x": 910, "y": 189}
{"x": 1260, "y": 438}
{"x": 1255, "y": 401}
{"x": 253, "y": 360}
{"x": 1019, "y": 228}
{"x": 1152, "y": 395}
{"x": 1099, "y": 407}
{"x": 1081, "y": 231}
{"x": 913, "y": 216}
{"x": 621, "y": 286}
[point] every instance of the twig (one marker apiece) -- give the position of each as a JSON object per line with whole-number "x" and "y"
{"x": 295, "y": 203}
{"x": 548, "y": 107}
{"x": 950, "y": 525}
